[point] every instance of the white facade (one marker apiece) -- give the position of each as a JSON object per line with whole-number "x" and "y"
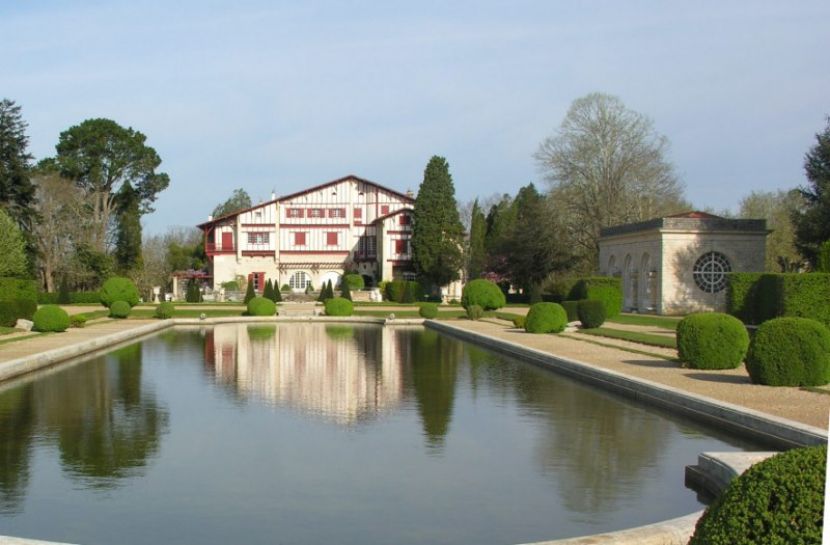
{"x": 313, "y": 236}
{"x": 677, "y": 264}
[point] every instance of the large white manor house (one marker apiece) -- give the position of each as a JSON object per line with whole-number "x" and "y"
{"x": 313, "y": 236}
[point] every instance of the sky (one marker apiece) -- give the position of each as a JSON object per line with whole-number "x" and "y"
{"x": 272, "y": 96}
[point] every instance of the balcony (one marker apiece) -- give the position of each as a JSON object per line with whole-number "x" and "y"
{"x": 211, "y": 248}
{"x": 365, "y": 256}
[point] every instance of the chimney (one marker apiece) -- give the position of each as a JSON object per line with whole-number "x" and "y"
{"x": 273, "y": 195}
{"x": 410, "y": 194}
{"x": 210, "y": 217}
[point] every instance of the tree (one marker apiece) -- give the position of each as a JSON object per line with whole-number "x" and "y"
{"x": 608, "y": 166}
{"x": 128, "y": 240}
{"x": 12, "y": 247}
{"x": 777, "y": 207}
{"x": 101, "y": 156}
{"x": 812, "y": 221}
{"x": 249, "y": 293}
{"x": 437, "y": 233}
{"x": 499, "y": 227}
{"x": 268, "y": 292}
{"x": 345, "y": 291}
{"x": 478, "y": 231}
{"x": 238, "y": 200}
{"x": 17, "y": 194}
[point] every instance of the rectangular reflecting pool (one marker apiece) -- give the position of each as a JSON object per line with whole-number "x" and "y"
{"x": 321, "y": 433}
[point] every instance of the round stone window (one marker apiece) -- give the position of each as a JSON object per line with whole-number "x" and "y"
{"x": 710, "y": 272}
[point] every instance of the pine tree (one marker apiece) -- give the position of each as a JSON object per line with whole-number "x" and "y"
{"x": 812, "y": 223}
{"x": 64, "y": 297}
{"x": 345, "y": 291}
{"x": 128, "y": 238}
{"x": 277, "y": 294}
{"x": 17, "y": 193}
{"x": 478, "y": 230}
{"x": 437, "y": 233}
{"x": 249, "y": 293}
{"x": 323, "y": 294}
{"x": 268, "y": 293}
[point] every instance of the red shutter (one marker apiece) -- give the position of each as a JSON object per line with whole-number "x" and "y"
{"x": 299, "y": 239}
{"x": 400, "y": 246}
{"x": 384, "y": 209}
{"x": 227, "y": 241}
{"x": 331, "y": 239}
{"x": 261, "y": 278}
{"x": 358, "y": 212}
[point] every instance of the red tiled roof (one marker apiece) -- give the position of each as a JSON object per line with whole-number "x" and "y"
{"x": 695, "y": 214}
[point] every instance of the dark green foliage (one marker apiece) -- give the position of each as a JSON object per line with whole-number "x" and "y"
{"x": 519, "y": 322}
{"x": 354, "y": 281}
{"x": 77, "y": 320}
{"x": 128, "y": 232}
{"x": 742, "y": 296}
{"x": 601, "y": 288}
{"x": 285, "y": 288}
{"x": 409, "y": 295}
{"x": 560, "y": 287}
{"x": 403, "y": 291}
{"x": 345, "y": 291}
{"x": 483, "y": 293}
{"x": 268, "y": 292}
{"x": 26, "y": 308}
{"x": 812, "y": 221}
{"x": 337, "y": 306}
{"x": 120, "y": 309}
{"x": 118, "y": 288}
{"x": 437, "y": 233}
{"x": 789, "y": 352}
{"x": 249, "y": 293}
{"x": 165, "y": 310}
{"x": 47, "y": 298}
{"x": 546, "y": 318}
{"x": 323, "y": 295}
{"x": 474, "y": 312}
{"x": 17, "y": 288}
{"x": 231, "y": 285}
{"x": 277, "y": 295}
{"x": 478, "y": 255}
{"x": 775, "y": 502}
{"x": 238, "y": 200}
{"x": 10, "y": 311}
{"x": 262, "y": 332}
{"x": 17, "y": 193}
{"x": 260, "y": 306}
{"x": 194, "y": 292}
{"x": 64, "y": 297}
{"x": 591, "y": 313}
{"x": 571, "y": 309}
{"x": 823, "y": 261}
{"x": 339, "y": 332}
{"x": 77, "y": 297}
{"x": 50, "y": 318}
{"x": 428, "y": 311}
{"x": 712, "y": 340}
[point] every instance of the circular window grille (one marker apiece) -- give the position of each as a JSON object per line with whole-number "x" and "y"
{"x": 710, "y": 272}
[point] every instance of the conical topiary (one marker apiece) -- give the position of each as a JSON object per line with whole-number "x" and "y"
{"x": 323, "y": 294}
{"x": 249, "y": 294}
{"x": 277, "y": 294}
{"x": 345, "y": 292}
{"x": 268, "y": 293}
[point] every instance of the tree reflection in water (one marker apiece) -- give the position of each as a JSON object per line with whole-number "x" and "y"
{"x": 434, "y": 367}
{"x": 17, "y": 422}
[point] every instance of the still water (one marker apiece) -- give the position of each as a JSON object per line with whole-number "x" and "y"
{"x": 315, "y": 433}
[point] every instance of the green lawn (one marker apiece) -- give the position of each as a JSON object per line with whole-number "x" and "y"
{"x": 633, "y": 336}
{"x": 6, "y": 330}
{"x": 664, "y": 322}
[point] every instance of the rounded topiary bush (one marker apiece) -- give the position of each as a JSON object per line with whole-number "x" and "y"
{"x": 354, "y": 281}
{"x": 428, "y": 311}
{"x": 338, "y": 306}
{"x": 591, "y": 313}
{"x": 779, "y": 500}
{"x": 711, "y": 340}
{"x": 50, "y": 318}
{"x": 790, "y": 352}
{"x": 571, "y": 310}
{"x": 165, "y": 310}
{"x": 546, "y": 318}
{"x": 475, "y": 312}
{"x": 519, "y": 322}
{"x": 120, "y": 309}
{"x": 77, "y": 320}
{"x": 483, "y": 293}
{"x": 261, "y": 306}
{"x": 118, "y": 288}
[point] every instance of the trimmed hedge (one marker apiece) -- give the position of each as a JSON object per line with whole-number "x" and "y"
{"x": 261, "y": 306}
{"x": 742, "y": 296}
{"x": 712, "y": 340}
{"x": 475, "y": 312}
{"x": 790, "y": 352}
{"x": 354, "y": 281}
{"x": 8, "y": 313}
{"x": 571, "y": 309}
{"x": 779, "y": 500}
{"x": 165, "y": 310}
{"x": 120, "y": 309}
{"x": 546, "y": 318}
{"x": 17, "y": 288}
{"x": 483, "y": 293}
{"x": 119, "y": 288}
{"x": 337, "y": 306}
{"x": 756, "y": 298}
{"x": 519, "y": 322}
{"x": 77, "y": 320}
{"x": 607, "y": 289}
{"x": 428, "y": 311}
{"x": 591, "y": 313}
{"x": 50, "y": 318}
{"x": 403, "y": 291}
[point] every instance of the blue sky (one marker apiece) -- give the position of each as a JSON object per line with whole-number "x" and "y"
{"x": 269, "y": 95}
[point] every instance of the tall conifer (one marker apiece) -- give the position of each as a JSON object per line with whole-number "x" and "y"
{"x": 345, "y": 291}
{"x": 478, "y": 255}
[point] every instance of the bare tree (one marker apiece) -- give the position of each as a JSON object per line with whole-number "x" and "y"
{"x": 777, "y": 207}
{"x": 607, "y": 166}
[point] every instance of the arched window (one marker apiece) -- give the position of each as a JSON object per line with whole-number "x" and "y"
{"x": 710, "y": 272}
{"x": 299, "y": 281}
{"x": 612, "y": 264}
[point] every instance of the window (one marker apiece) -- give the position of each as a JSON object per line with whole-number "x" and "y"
{"x": 316, "y": 213}
{"x": 401, "y": 246}
{"x": 299, "y": 281}
{"x": 299, "y": 239}
{"x": 337, "y": 212}
{"x": 295, "y": 212}
{"x": 358, "y": 213}
{"x": 404, "y": 219}
{"x": 367, "y": 246}
{"x": 259, "y": 238}
{"x": 331, "y": 239}
{"x": 258, "y": 280}
{"x": 710, "y": 271}
{"x": 384, "y": 209}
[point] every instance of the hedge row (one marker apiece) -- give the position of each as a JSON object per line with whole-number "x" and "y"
{"x": 607, "y": 289}
{"x": 75, "y": 297}
{"x": 10, "y": 311}
{"x": 403, "y": 291}
{"x": 755, "y": 298}
{"x": 16, "y": 288}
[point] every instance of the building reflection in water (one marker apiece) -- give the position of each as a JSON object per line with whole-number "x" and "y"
{"x": 342, "y": 373}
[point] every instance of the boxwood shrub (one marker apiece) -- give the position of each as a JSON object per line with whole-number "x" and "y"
{"x": 17, "y": 288}
{"x": 756, "y": 298}
{"x": 261, "y": 306}
{"x": 790, "y": 352}
{"x": 77, "y": 320}
{"x": 428, "y": 311}
{"x": 118, "y": 288}
{"x": 354, "y": 281}
{"x": 546, "y": 318}
{"x": 607, "y": 289}
{"x": 403, "y": 291}
{"x": 50, "y": 318}
{"x": 483, "y": 293}
{"x": 165, "y": 310}
{"x": 519, "y": 321}
{"x": 742, "y": 296}
{"x": 779, "y": 500}
{"x": 571, "y": 309}
{"x": 337, "y": 306}
{"x": 712, "y": 340}
{"x": 591, "y": 313}
{"x": 120, "y": 309}
{"x": 475, "y": 312}
{"x": 8, "y": 313}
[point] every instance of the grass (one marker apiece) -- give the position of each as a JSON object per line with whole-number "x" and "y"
{"x": 6, "y": 330}
{"x": 633, "y": 336}
{"x": 143, "y": 314}
{"x": 624, "y": 349}
{"x": 644, "y": 320}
